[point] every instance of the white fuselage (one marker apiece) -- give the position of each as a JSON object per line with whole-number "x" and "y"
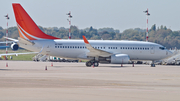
{"x": 137, "y": 50}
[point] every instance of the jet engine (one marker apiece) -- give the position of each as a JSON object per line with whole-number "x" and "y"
{"x": 119, "y": 58}
{"x": 14, "y": 46}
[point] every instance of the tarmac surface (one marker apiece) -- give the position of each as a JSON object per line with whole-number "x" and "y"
{"x": 29, "y": 81}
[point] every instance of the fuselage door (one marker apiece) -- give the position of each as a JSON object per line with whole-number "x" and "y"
{"x": 152, "y": 49}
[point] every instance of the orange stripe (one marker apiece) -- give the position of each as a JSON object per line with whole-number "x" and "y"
{"x": 30, "y": 38}
{"x": 20, "y": 34}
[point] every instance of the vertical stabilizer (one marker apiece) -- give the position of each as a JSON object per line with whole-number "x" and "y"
{"x": 26, "y": 26}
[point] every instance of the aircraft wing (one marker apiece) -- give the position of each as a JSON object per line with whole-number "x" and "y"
{"x": 7, "y": 42}
{"x": 16, "y": 54}
{"x": 95, "y": 52}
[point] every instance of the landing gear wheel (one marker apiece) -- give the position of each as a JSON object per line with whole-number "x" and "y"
{"x": 96, "y": 64}
{"x": 88, "y": 64}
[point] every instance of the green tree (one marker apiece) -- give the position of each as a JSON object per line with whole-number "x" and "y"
{"x": 153, "y": 28}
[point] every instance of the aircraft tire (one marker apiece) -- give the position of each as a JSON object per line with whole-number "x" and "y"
{"x": 96, "y": 64}
{"x": 88, "y": 64}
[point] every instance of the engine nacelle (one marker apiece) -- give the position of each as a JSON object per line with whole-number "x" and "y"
{"x": 119, "y": 58}
{"x": 14, "y": 46}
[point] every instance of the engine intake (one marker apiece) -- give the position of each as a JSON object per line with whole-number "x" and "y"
{"x": 14, "y": 46}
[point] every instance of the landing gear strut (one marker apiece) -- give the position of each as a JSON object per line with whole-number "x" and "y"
{"x": 152, "y": 64}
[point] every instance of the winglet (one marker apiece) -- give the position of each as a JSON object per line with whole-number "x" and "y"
{"x": 85, "y": 40}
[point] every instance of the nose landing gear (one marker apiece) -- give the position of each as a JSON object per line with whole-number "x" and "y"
{"x": 152, "y": 64}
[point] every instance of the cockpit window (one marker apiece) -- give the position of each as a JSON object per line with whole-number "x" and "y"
{"x": 162, "y": 48}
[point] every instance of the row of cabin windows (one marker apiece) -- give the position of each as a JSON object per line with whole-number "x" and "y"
{"x": 135, "y": 48}
{"x": 83, "y": 47}
{"x": 100, "y": 47}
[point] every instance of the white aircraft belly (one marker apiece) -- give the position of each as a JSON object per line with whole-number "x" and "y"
{"x": 67, "y": 53}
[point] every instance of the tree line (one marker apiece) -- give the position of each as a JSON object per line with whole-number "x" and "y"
{"x": 161, "y": 35}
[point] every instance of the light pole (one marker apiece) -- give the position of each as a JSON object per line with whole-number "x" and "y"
{"x": 69, "y": 20}
{"x": 7, "y": 17}
{"x": 147, "y": 14}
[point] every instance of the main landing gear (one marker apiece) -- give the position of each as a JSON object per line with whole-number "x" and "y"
{"x": 92, "y": 62}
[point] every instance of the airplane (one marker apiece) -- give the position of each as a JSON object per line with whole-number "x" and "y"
{"x": 14, "y": 46}
{"x": 95, "y": 51}
{"x": 3, "y": 47}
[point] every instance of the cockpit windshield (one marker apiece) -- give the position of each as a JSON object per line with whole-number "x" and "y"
{"x": 162, "y": 48}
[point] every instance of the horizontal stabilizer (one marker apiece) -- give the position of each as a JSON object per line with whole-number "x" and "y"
{"x": 14, "y": 40}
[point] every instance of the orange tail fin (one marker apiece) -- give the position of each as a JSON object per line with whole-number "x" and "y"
{"x": 26, "y": 26}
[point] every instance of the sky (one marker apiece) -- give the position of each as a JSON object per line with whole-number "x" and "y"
{"x": 117, "y": 14}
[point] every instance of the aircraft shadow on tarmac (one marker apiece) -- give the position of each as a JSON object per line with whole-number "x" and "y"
{"x": 91, "y": 66}
{"x": 6, "y": 69}
{"x": 115, "y": 66}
